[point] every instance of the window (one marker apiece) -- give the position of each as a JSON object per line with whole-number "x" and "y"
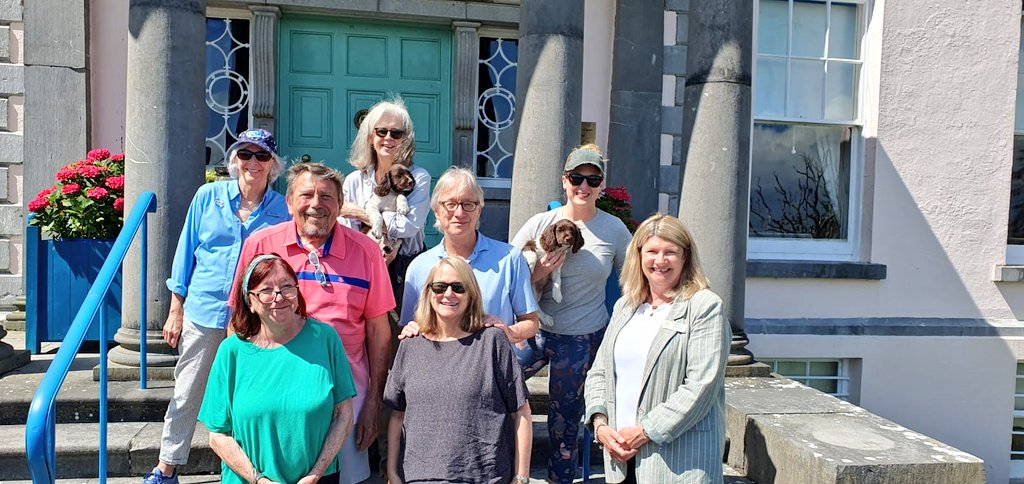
{"x": 227, "y": 84}
{"x": 1015, "y": 229}
{"x": 496, "y": 111}
{"x": 1017, "y": 433}
{"x": 805, "y": 143}
{"x": 828, "y": 376}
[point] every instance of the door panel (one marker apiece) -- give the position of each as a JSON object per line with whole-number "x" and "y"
{"x": 330, "y": 69}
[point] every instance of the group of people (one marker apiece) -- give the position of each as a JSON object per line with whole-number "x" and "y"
{"x": 286, "y": 316}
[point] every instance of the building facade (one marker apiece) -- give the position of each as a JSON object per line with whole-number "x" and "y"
{"x": 886, "y": 244}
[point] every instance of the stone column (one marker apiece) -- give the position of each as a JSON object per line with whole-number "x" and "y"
{"x": 549, "y": 95}
{"x": 714, "y": 199}
{"x": 165, "y": 139}
{"x": 467, "y": 72}
{"x": 634, "y": 131}
{"x": 263, "y": 55}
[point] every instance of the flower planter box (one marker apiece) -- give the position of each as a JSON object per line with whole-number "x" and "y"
{"x": 59, "y": 274}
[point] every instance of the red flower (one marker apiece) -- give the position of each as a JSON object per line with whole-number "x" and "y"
{"x": 618, "y": 194}
{"x": 115, "y": 182}
{"x": 45, "y": 192}
{"x": 119, "y": 204}
{"x": 98, "y": 154}
{"x": 70, "y": 189}
{"x": 66, "y": 173}
{"x": 90, "y": 171}
{"x": 117, "y": 157}
{"x": 96, "y": 193}
{"x": 38, "y": 204}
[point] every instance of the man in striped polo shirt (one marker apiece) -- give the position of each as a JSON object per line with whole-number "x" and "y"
{"x": 344, "y": 281}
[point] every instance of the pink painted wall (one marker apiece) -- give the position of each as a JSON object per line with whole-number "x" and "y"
{"x": 108, "y": 67}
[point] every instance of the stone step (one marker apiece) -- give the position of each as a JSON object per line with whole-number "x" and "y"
{"x": 132, "y": 450}
{"x": 78, "y": 400}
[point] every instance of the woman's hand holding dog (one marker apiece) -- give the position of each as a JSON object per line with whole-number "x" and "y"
{"x": 547, "y": 264}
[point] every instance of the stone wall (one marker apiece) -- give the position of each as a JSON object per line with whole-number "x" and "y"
{"x": 676, "y": 35}
{"x": 12, "y": 101}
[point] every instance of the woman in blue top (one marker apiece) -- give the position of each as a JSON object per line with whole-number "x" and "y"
{"x": 221, "y": 216}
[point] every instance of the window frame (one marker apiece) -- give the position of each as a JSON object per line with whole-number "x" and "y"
{"x": 1015, "y": 252}
{"x": 221, "y": 13}
{"x": 842, "y": 377}
{"x": 848, "y": 249}
{"x": 1016, "y": 471}
{"x": 492, "y": 182}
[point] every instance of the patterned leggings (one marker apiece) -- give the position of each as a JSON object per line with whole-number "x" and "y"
{"x": 570, "y": 357}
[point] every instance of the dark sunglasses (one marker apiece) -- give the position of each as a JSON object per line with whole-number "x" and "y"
{"x": 395, "y": 133}
{"x": 593, "y": 180}
{"x": 441, "y": 287}
{"x": 246, "y": 155}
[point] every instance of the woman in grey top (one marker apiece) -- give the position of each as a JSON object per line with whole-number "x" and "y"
{"x": 569, "y": 341}
{"x": 459, "y": 400}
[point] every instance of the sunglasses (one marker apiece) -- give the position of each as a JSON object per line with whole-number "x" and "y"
{"x": 395, "y": 133}
{"x": 593, "y": 180}
{"x": 441, "y": 287}
{"x": 246, "y": 155}
{"x": 321, "y": 277}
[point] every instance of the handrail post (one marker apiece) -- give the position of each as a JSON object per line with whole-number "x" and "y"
{"x": 143, "y": 245}
{"x": 103, "y": 395}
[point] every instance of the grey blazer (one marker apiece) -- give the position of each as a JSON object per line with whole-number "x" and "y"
{"x": 682, "y": 398}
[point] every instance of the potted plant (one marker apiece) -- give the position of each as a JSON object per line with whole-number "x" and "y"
{"x": 615, "y": 200}
{"x": 71, "y": 229}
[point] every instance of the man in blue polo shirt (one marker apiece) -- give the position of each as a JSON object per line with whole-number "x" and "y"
{"x": 500, "y": 269}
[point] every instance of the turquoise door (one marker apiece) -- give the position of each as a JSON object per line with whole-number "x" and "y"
{"x": 331, "y": 69}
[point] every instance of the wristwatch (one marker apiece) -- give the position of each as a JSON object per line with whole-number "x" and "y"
{"x": 521, "y": 478}
{"x": 256, "y": 476}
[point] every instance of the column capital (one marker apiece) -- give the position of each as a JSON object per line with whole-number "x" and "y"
{"x": 265, "y": 10}
{"x": 464, "y": 25}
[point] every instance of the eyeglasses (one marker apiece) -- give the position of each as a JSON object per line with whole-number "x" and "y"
{"x": 321, "y": 277}
{"x": 466, "y": 206}
{"x": 395, "y": 133}
{"x": 593, "y": 180}
{"x": 246, "y": 155}
{"x": 268, "y": 296}
{"x": 441, "y": 287}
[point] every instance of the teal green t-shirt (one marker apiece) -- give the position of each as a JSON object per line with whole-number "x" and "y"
{"x": 277, "y": 403}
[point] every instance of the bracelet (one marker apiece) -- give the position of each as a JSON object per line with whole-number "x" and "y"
{"x": 521, "y": 478}
{"x": 598, "y": 427}
{"x": 256, "y": 476}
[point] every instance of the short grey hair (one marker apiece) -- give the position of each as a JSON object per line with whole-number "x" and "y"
{"x": 276, "y": 163}
{"x": 455, "y": 180}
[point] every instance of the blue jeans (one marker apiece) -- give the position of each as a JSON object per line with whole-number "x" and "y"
{"x": 570, "y": 358}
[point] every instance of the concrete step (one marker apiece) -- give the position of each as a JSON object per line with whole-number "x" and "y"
{"x": 78, "y": 400}
{"x": 132, "y": 450}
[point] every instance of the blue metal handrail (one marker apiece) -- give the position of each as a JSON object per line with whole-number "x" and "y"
{"x": 41, "y": 426}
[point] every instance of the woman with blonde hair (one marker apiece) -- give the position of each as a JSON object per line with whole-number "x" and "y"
{"x": 656, "y": 394}
{"x": 386, "y": 138}
{"x": 458, "y": 397}
{"x": 569, "y": 337}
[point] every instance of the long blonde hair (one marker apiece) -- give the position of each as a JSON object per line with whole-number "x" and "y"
{"x": 472, "y": 319}
{"x": 362, "y": 156}
{"x": 635, "y": 287}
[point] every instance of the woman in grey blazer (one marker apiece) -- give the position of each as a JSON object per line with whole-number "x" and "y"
{"x": 656, "y": 395}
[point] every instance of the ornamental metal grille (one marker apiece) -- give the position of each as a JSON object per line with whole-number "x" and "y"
{"x": 227, "y": 84}
{"x": 496, "y": 107}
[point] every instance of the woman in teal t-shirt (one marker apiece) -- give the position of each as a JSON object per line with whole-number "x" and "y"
{"x": 279, "y": 401}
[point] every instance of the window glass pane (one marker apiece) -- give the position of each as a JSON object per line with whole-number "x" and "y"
{"x": 806, "y": 80}
{"x": 1020, "y": 369}
{"x": 827, "y": 386}
{"x": 841, "y": 83}
{"x": 1020, "y": 386}
{"x": 227, "y": 85}
{"x": 809, "y": 29}
{"x": 824, "y": 368}
{"x": 773, "y": 27}
{"x": 800, "y": 181}
{"x": 1018, "y": 403}
{"x": 495, "y": 109}
{"x": 1015, "y": 230}
{"x": 791, "y": 368}
{"x": 770, "y": 87}
{"x": 842, "y": 34}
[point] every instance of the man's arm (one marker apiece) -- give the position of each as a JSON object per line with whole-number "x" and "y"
{"x": 378, "y": 350}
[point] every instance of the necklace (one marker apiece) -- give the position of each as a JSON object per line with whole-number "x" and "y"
{"x": 248, "y": 205}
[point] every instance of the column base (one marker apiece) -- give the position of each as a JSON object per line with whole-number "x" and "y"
{"x": 123, "y": 360}
{"x": 748, "y": 370}
{"x": 119, "y": 372}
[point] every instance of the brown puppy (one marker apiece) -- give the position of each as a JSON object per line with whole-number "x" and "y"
{"x": 563, "y": 235}
{"x": 389, "y": 196}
